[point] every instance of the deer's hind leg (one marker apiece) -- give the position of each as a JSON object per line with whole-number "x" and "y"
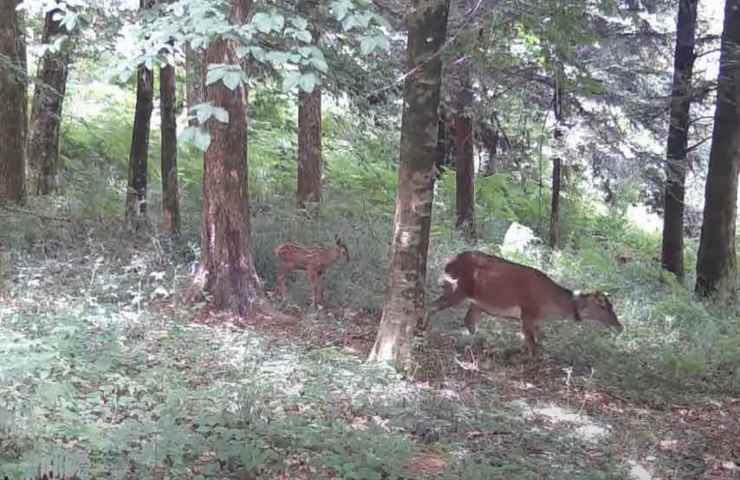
{"x": 529, "y": 328}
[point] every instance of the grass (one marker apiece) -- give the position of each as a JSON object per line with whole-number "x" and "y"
{"x": 103, "y": 371}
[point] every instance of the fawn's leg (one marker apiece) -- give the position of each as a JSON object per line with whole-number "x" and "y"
{"x": 315, "y": 279}
{"x": 282, "y": 278}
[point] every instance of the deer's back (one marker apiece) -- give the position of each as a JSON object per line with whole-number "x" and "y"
{"x": 507, "y": 288}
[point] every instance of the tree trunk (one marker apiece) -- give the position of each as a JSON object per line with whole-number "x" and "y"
{"x": 226, "y": 270}
{"x": 555, "y": 205}
{"x": 195, "y": 76}
{"x": 139, "y": 155}
{"x": 404, "y": 303}
{"x": 676, "y": 162}
{"x": 309, "y": 147}
{"x": 464, "y": 174}
{"x": 426, "y": 223}
{"x": 464, "y": 161}
{"x": 13, "y": 99}
{"x": 170, "y": 200}
{"x": 23, "y": 59}
{"x": 489, "y": 139}
{"x": 309, "y": 133}
{"x": 46, "y": 111}
{"x": 716, "y": 264}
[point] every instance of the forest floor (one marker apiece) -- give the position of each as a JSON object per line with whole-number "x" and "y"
{"x": 561, "y": 420}
{"x": 106, "y": 372}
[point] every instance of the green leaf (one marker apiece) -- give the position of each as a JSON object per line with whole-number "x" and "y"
{"x": 232, "y": 79}
{"x": 277, "y": 58}
{"x": 341, "y": 8}
{"x": 308, "y": 81}
{"x": 291, "y": 80}
{"x": 319, "y": 63}
{"x": 367, "y": 45}
{"x": 268, "y": 22}
{"x": 299, "y": 23}
{"x": 215, "y": 73}
{"x": 304, "y": 36}
{"x": 196, "y": 136}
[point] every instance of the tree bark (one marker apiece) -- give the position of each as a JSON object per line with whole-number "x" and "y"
{"x": 716, "y": 273}
{"x": 139, "y": 154}
{"x": 489, "y": 139}
{"x": 170, "y": 198}
{"x": 404, "y": 303}
{"x": 555, "y": 205}
{"x": 13, "y": 99}
{"x": 309, "y": 133}
{"x": 309, "y": 147}
{"x": 464, "y": 174}
{"x": 676, "y": 162}
{"x": 23, "y": 59}
{"x": 226, "y": 270}
{"x": 46, "y": 111}
{"x": 195, "y": 76}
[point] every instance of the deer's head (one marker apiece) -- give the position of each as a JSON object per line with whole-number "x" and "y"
{"x": 596, "y": 306}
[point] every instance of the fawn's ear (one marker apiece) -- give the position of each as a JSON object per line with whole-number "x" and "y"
{"x": 339, "y": 240}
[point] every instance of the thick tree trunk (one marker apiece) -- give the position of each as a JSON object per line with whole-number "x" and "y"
{"x": 716, "y": 273}
{"x": 46, "y": 111}
{"x": 309, "y": 147}
{"x": 489, "y": 139}
{"x": 195, "y": 76}
{"x": 23, "y": 59}
{"x": 139, "y": 154}
{"x": 226, "y": 270}
{"x": 555, "y": 204}
{"x": 170, "y": 199}
{"x": 464, "y": 174}
{"x": 426, "y": 223}
{"x": 676, "y": 162}
{"x": 404, "y": 303}
{"x": 13, "y": 98}
{"x": 309, "y": 134}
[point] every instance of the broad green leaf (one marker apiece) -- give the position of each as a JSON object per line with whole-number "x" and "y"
{"x": 215, "y": 73}
{"x": 308, "y": 81}
{"x": 232, "y": 79}
{"x": 277, "y": 58}
{"x": 304, "y": 36}
{"x": 291, "y": 80}
{"x": 319, "y": 63}
{"x": 367, "y": 45}
{"x": 341, "y": 8}
{"x": 262, "y": 23}
{"x": 299, "y": 23}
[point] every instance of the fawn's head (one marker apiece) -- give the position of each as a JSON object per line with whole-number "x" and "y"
{"x": 342, "y": 248}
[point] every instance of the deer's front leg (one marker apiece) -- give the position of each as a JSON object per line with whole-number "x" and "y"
{"x": 314, "y": 277}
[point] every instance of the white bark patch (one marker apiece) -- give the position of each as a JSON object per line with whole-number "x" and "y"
{"x": 405, "y": 239}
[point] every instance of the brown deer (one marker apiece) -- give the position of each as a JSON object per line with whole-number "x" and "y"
{"x": 506, "y": 289}
{"x": 315, "y": 260}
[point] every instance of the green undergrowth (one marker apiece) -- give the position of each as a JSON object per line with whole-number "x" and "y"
{"x": 102, "y": 373}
